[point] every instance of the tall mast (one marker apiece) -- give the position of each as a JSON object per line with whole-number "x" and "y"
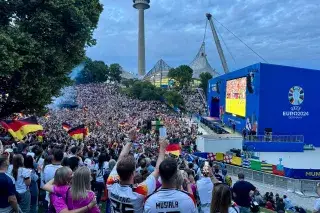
{"x": 218, "y": 44}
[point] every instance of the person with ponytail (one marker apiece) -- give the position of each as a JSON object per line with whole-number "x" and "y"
{"x": 22, "y": 178}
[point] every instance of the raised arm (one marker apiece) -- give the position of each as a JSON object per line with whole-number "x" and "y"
{"x": 126, "y": 149}
{"x": 163, "y": 145}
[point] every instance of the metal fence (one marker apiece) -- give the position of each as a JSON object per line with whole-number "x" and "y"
{"x": 301, "y": 187}
{"x": 275, "y": 138}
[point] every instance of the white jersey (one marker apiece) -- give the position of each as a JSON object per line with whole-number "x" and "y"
{"x": 128, "y": 199}
{"x": 170, "y": 200}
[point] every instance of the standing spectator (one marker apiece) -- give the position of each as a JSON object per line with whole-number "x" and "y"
{"x": 221, "y": 200}
{"x": 316, "y": 208}
{"x": 242, "y": 191}
{"x": 34, "y": 191}
{"x": 50, "y": 170}
{"x": 100, "y": 169}
{"x": 8, "y": 200}
{"x": 80, "y": 194}
{"x": 205, "y": 188}
{"x": 59, "y": 189}
{"x": 168, "y": 198}
{"x": 216, "y": 173}
{"x": 22, "y": 178}
{"x": 121, "y": 195}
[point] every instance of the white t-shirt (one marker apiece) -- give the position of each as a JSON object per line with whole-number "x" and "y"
{"x": 205, "y": 187}
{"x": 23, "y": 174}
{"x": 317, "y": 205}
{"x": 125, "y": 198}
{"x": 47, "y": 175}
{"x": 100, "y": 172}
{"x": 170, "y": 200}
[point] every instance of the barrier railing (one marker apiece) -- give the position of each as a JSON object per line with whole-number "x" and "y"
{"x": 274, "y": 138}
{"x": 301, "y": 187}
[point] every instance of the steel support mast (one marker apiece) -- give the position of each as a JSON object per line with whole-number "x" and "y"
{"x": 218, "y": 44}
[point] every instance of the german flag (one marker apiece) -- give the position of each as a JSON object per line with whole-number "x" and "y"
{"x": 173, "y": 149}
{"x": 20, "y": 128}
{"x": 40, "y": 136}
{"x": 66, "y": 126}
{"x": 79, "y": 133}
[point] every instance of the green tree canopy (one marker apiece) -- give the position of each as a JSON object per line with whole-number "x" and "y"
{"x": 146, "y": 91}
{"x": 40, "y": 43}
{"x": 204, "y": 78}
{"x": 93, "y": 72}
{"x": 115, "y": 72}
{"x": 181, "y": 74}
{"x": 174, "y": 98}
{"x": 128, "y": 82}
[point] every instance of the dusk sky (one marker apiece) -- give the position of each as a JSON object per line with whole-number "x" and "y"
{"x": 285, "y": 32}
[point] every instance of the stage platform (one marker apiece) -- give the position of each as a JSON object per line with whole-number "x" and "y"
{"x": 302, "y": 160}
{"x": 216, "y": 125}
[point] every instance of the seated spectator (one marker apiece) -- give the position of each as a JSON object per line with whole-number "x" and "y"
{"x": 280, "y": 206}
{"x": 287, "y": 202}
{"x": 269, "y": 206}
{"x": 258, "y": 198}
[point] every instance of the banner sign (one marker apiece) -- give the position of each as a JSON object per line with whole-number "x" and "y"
{"x": 311, "y": 174}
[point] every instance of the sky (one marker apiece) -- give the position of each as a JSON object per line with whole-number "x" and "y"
{"x": 285, "y": 32}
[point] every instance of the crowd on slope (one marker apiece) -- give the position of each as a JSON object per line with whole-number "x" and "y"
{"x": 122, "y": 163}
{"x": 194, "y": 102}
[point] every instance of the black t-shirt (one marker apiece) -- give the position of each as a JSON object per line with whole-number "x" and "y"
{"x": 242, "y": 190}
{"x": 7, "y": 189}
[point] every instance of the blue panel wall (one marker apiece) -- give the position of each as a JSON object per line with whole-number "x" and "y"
{"x": 261, "y": 146}
{"x": 217, "y": 89}
{"x": 278, "y": 113}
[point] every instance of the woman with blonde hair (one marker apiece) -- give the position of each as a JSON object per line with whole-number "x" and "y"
{"x": 80, "y": 194}
{"x": 60, "y": 191}
{"x": 221, "y": 200}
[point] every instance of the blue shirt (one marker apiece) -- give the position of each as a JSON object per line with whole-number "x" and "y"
{"x": 7, "y": 189}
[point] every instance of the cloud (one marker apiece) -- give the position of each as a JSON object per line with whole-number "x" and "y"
{"x": 283, "y": 32}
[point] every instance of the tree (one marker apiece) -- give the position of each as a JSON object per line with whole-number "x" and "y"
{"x": 128, "y": 82}
{"x": 204, "y": 78}
{"x": 40, "y": 43}
{"x": 181, "y": 74}
{"x": 115, "y": 72}
{"x": 174, "y": 98}
{"x": 93, "y": 72}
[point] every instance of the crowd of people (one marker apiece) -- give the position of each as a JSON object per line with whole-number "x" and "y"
{"x": 194, "y": 102}
{"x": 121, "y": 165}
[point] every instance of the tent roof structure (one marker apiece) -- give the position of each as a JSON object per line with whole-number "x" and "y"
{"x": 200, "y": 64}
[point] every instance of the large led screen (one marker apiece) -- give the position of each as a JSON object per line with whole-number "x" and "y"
{"x": 236, "y": 96}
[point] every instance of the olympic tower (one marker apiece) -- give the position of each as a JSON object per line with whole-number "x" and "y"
{"x": 141, "y": 5}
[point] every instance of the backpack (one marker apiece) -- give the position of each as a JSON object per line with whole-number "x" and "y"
{"x": 51, "y": 208}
